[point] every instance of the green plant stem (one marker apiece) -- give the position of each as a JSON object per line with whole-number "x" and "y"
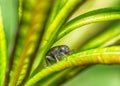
{"x": 100, "y": 15}
{"x": 109, "y": 55}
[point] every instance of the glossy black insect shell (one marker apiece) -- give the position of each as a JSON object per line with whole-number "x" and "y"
{"x": 55, "y": 53}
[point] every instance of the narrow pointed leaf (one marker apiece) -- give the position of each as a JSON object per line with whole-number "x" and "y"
{"x": 105, "y": 14}
{"x": 30, "y": 32}
{"x": 108, "y": 34}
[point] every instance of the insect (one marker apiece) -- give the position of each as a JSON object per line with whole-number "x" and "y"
{"x": 56, "y": 53}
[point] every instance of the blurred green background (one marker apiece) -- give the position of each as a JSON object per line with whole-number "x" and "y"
{"x": 99, "y": 75}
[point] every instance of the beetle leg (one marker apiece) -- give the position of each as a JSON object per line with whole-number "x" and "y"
{"x": 47, "y": 61}
{"x": 56, "y": 58}
{"x": 64, "y": 55}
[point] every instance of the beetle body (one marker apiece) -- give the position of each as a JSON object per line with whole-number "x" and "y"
{"x": 56, "y": 53}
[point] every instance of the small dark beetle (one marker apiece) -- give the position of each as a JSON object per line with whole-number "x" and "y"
{"x": 56, "y": 53}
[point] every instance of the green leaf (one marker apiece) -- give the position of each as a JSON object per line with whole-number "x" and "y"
{"x": 3, "y": 53}
{"x": 114, "y": 41}
{"x": 107, "y": 35}
{"x": 57, "y": 5}
{"x": 105, "y": 14}
{"x": 30, "y": 33}
{"x": 110, "y": 55}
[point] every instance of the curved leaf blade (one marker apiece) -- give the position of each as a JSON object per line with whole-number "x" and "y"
{"x": 114, "y": 41}
{"x": 105, "y": 14}
{"x": 99, "y": 40}
{"x": 109, "y": 55}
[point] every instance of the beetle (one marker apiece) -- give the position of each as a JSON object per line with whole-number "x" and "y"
{"x": 56, "y": 53}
